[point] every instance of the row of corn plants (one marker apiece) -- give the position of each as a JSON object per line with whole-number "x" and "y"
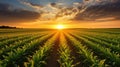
{"x": 15, "y": 57}
{"x": 65, "y": 60}
{"x": 40, "y": 56}
{"x": 9, "y": 41}
{"x": 18, "y": 31}
{"x": 16, "y": 35}
{"x": 18, "y": 44}
{"x": 105, "y": 53}
{"x": 113, "y": 39}
{"x": 2, "y": 38}
{"x": 115, "y": 48}
{"x": 88, "y": 58}
{"x": 11, "y": 36}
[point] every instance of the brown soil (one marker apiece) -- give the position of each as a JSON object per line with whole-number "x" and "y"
{"x": 52, "y": 59}
{"x": 74, "y": 54}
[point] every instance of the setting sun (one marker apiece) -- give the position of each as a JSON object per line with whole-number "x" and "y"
{"x": 60, "y": 26}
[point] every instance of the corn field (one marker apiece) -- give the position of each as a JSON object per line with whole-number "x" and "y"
{"x": 60, "y": 48}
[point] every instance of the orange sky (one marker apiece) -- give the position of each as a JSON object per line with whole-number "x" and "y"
{"x": 111, "y": 24}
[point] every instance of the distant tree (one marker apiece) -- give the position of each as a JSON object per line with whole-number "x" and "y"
{"x": 7, "y": 27}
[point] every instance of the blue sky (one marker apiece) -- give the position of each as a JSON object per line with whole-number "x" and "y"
{"x": 17, "y": 4}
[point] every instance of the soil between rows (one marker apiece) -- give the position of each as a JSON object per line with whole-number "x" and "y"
{"x": 52, "y": 59}
{"x": 74, "y": 53}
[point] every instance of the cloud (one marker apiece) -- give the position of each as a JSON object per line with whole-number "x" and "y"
{"x": 36, "y": 7}
{"x": 57, "y": 5}
{"x": 93, "y": 10}
{"x": 99, "y": 11}
{"x": 53, "y": 4}
{"x": 50, "y": 10}
{"x": 33, "y": 5}
{"x": 9, "y": 14}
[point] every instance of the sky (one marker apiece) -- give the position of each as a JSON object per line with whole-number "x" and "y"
{"x": 71, "y": 13}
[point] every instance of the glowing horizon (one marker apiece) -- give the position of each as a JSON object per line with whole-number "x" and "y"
{"x": 60, "y": 26}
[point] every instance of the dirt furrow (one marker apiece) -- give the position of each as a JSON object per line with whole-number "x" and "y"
{"x": 53, "y": 57}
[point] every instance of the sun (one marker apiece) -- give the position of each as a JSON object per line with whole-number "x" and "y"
{"x": 60, "y": 26}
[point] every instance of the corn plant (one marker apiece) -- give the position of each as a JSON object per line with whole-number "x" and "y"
{"x": 66, "y": 60}
{"x": 112, "y": 58}
{"x": 40, "y": 56}
{"x": 15, "y": 55}
{"x": 9, "y": 41}
{"x": 115, "y": 48}
{"x": 18, "y": 44}
{"x": 88, "y": 56}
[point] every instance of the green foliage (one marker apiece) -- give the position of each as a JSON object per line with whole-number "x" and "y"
{"x": 17, "y": 54}
{"x": 95, "y": 47}
{"x": 39, "y": 58}
{"x": 66, "y": 60}
{"x": 88, "y": 56}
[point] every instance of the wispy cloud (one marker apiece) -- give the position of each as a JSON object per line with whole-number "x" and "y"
{"x": 35, "y": 6}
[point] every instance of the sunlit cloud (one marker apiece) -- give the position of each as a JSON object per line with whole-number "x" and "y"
{"x": 106, "y": 19}
{"x": 36, "y": 7}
